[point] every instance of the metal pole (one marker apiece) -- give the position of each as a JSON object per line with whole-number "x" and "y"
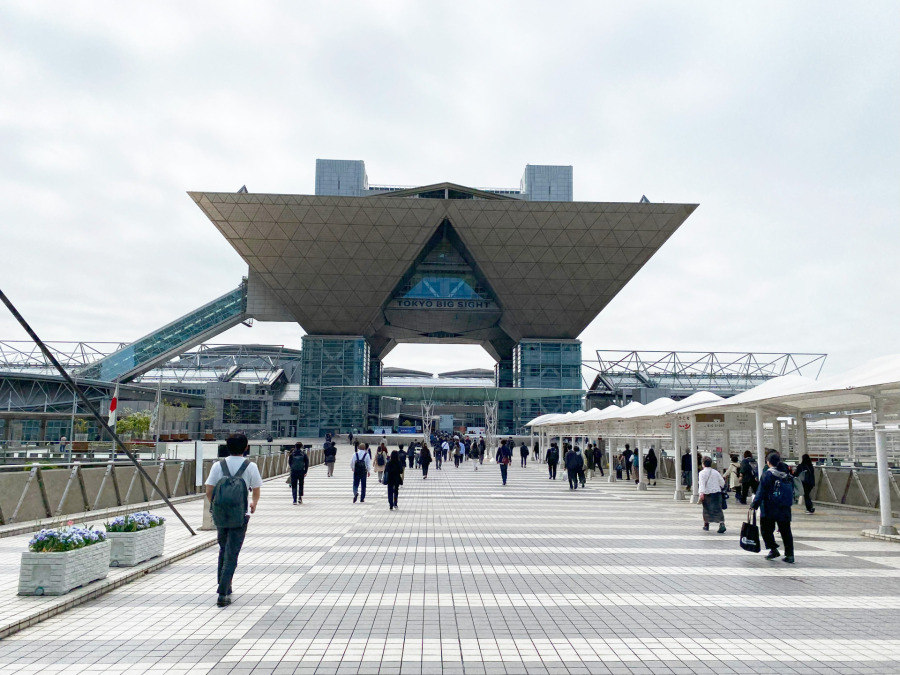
{"x": 884, "y": 478}
{"x": 850, "y": 451}
{"x": 90, "y": 406}
{"x": 72, "y": 429}
{"x": 610, "y": 446}
{"x": 676, "y": 449}
{"x": 760, "y": 448}
{"x": 695, "y": 468}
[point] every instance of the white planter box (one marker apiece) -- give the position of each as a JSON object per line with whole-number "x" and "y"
{"x": 131, "y": 548}
{"x": 58, "y": 573}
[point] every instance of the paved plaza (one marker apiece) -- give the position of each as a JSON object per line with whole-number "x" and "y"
{"x": 472, "y": 577}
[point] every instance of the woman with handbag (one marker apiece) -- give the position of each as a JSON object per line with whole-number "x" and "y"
{"x": 711, "y": 485}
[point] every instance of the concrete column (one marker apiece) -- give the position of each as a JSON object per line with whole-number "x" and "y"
{"x": 801, "y": 433}
{"x": 776, "y": 429}
{"x": 850, "y": 449}
{"x": 610, "y": 449}
{"x": 642, "y": 475}
{"x": 884, "y": 483}
{"x": 679, "y": 492}
{"x": 695, "y": 469}
{"x": 760, "y": 447}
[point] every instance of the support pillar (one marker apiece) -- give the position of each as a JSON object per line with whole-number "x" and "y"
{"x": 801, "y": 433}
{"x": 884, "y": 473}
{"x": 760, "y": 447}
{"x": 610, "y": 448}
{"x": 676, "y": 449}
{"x": 642, "y": 475}
{"x": 695, "y": 469}
{"x": 850, "y": 451}
{"x": 776, "y": 429}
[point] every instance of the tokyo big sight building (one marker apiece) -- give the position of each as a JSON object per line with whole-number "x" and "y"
{"x": 363, "y": 267}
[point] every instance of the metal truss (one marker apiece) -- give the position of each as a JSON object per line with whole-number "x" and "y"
{"x": 23, "y": 356}
{"x": 728, "y": 372}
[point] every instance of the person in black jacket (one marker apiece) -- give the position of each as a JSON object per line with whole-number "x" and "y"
{"x": 749, "y": 481}
{"x": 537, "y": 451}
{"x": 806, "y": 472}
{"x": 574, "y": 464}
{"x": 329, "y": 449}
{"x": 504, "y": 457}
{"x": 523, "y": 454}
{"x": 650, "y": 465}
{"x": 393, "y": 478}
{"x": 686, "y": 472}
{"x": 552, "y": 460}
{"x": 299, "y": 463}
{"x": 627, "y": 454}
{"x": 774, "y": 498}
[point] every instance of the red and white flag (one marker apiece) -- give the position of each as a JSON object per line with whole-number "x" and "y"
{"x": 112, "y": 408}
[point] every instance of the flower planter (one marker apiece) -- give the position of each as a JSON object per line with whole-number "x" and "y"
{"x": 131, "y": 548}
{"x": 59, "y": 573}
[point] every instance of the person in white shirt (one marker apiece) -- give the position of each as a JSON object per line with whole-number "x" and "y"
{"x": 711, "y": 484}
{"x": 361, "y": 465}
{"x": 231, "y": 539}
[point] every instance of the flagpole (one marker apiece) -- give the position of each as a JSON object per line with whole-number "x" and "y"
{"x": 90, "y": 406}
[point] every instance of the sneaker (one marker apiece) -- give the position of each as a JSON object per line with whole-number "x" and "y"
{"x": 355, "y": 497}
{"x": 362, "y": 501}
{"x": 789, "y": 559}
{"x": 706, "y": 527}
{"x": 223, "y": 601}
{"x": 773, "y": 554}
{"x": 295, "y": 503}
{"x": 301, "y": 500}
{"x": 721, "y": 528}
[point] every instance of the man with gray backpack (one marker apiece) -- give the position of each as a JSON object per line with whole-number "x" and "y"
{"x": 299, "y": 463}
{"x": 227, "y": 487}
{"x": 361, "y": 465}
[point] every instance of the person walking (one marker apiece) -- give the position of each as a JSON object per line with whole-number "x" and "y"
{"x": 572, "y": 464}
{"x": 402, "y": 457}
{"x": 537, "y": 452}
{"x": 552, "y": 460}
{"x": 749, "y": 476}
{"x": 424, "y": 460}
{"x": 474, "y": 454}
{"x": 381, "y": 460}
{"x": 457, "y": 454}
{"x": 774, "y": 498}
{"x": 329, "y": 450}
{"x": 636, "y": 465}
{"x": 627, "y": 455}
{"x": 580, "y": 473}
{"x": 481, "y": 450}
{"x": 361, "y": 465}
{"x": 599, "y": 455}
{"x": 523, "y": 453}
{"x": 711, "y": 485}
{"x": 590, "y": 457}
{"x": 504, "y": 457}
{"x": 411, "y": 455}
{"x": 806, "y": 472}
{"x": 686, "y": 471}
{"x": 299, "y": 463}
{"x": 620, "y": 462}
{"x": 393, "y": 478}
{"x": 651, "y": 463}
{"x": 732, "y": 475}
{"x": 229, "y": 482}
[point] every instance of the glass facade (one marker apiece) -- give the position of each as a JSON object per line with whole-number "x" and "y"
{"x": 333, "y": 362}
{"x": 179, "y": 334}
{"x": 547, "y": 364}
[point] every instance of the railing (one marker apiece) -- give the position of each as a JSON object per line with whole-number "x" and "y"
{"x": 37, "y": 492}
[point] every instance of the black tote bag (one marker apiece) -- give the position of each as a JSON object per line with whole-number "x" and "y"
{"x": 750, "y": 534}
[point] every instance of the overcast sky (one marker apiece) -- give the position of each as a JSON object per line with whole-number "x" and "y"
{"x": 782, "y": 120}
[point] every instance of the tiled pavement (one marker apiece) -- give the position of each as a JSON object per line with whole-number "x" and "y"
{"x": 472, "y": 577}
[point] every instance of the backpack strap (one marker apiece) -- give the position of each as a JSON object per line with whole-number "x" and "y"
{"x": 225, "y": 471}
{"x": 243, "y": 467}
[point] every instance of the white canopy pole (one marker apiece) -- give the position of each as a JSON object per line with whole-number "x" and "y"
{"x": 610, "y": 445}
{"x": 801, "y": 432}
{"x": 884, "y": 482}
{"x": 642, "y": 477}
{"x": 679, "y": 493}
{"x": 760, "y": 448}
{"x": 776, "y": 429}
{"x": 850, "y": 451}
{"x": 695, "y": 469}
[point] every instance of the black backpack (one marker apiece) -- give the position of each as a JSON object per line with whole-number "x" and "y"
{"x": 359, "y": 465}
{"x": 783, "y": 491}
{"x": 380, "y": 459}
{"x": 229, "y": 502}
{"x": 298, "y": 462}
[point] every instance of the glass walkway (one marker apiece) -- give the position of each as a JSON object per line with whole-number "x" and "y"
{"x": 188, "y": 331}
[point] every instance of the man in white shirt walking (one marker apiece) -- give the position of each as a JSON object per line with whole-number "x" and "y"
{"x": 230, "y": 507}
{"x": 361, "y": 465}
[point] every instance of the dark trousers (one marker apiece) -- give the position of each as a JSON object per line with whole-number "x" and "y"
{"x": 581, "y": 477}
{"x": 230, "y": 541}
{"x": 456, "y": 459}
{"x": 628, "y": 471}
{"x": 438, "y": 460}
{"x": 573, "y": 478}
{"x": 524, "y": 460}
{"x": 807, "y": 500}
{"x": 297, "y": 484}
{"x": 767, "y": 529}
{"x": 359, "y": 481}
{"x": 747, "y": 488}
{"x": 393, "y": 494}
{"x": 503, "y": 469}
{"x": 425, "y": 469}
{"x": 412, "y": 458}
{"x": 551, "y": 467}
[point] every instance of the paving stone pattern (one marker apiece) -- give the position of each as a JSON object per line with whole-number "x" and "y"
{"x": 469, "y": 576}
